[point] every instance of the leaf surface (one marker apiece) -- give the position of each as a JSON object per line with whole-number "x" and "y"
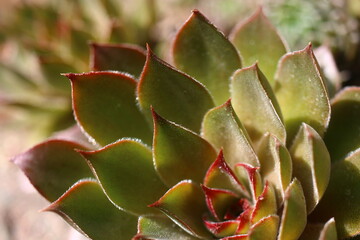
{"x": 205, "y": 53}
{"x": 104, "y": 105}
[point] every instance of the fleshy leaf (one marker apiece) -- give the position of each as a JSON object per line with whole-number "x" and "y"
{"x": 257, "y": 40}
{"x": 255, "y": 104}
{"x": 222, "y": 128}
{"x": 120, "y": 57}
{"x": 223, "y": 229}
{"x": 179, "y": 153}
{"x": 342, "y": 197}
{"x": 53, "y": 166}
{"x": 175, "y": 96}
{"x": 265, "y": 205}
{"x": 343, "y": 133}
{"x": 237, "y": 237}
{"x": 329, "y": 231}
{"x": 206, "y": 54}
{"x": 126, "y": 173}
{"x": 85, "y": 207}
{"x": 254, "y": 178}
{"x": 311, "y": 164}
{"x": 105, "y": 107}
{"x": 276, "y": 165}
{"x": 267, "y": 226}
{"x": 218, "y": 201}
{"x": 179, "y": 204}
{"x": 320, "y": 231}
{"x": 301, "y": 92}
{"x": 293, "y": 220}
{"x": 221, "y": 176}
{"x": 160, "y": 228}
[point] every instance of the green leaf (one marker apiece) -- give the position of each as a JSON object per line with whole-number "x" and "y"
{"x": 301, "y": 92}
{"x": 105, "y": 106}
{"x": 255, "y": 104}
{"x": 343, "y": 133}
{"x": 293, "y": 220}
{"x": 329, "y": 231}
{"x": 175, "y": 96}
{"x": 53, "y": 166}
{"x": 265, "y": 205}
{"x": 267, "y": 226}
{"x": 179, "y": 153}
{"x": 85, "y": 207}
{"x": 311, "y": 164}
{"x": 258, "y": 41}
{"x": 276, "y": 165}
{"x": 222, "y": 128}
{"x": 126, "y": 173}
{"x": 320, "y": 231}
{"x": 341, "y": 199}
{"x": 160, "y": 228}
{"x": 117, "y": 57}
{"x": 185, "y": 205}
{"x": 202, "y": 51}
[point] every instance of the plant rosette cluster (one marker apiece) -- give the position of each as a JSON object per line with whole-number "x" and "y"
{"x": 237, "y": 139}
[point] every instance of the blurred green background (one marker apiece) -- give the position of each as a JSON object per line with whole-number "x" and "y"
{"x": 40, "y": 39}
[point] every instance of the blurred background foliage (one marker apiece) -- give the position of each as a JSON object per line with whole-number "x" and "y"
{"x": 40, "y": 39}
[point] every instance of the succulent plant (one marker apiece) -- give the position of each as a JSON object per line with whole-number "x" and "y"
{"x": 237, "y": 140}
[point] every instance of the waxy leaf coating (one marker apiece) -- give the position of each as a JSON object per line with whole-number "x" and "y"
{"x": 179, "y": 153}
{"x": 105, "y": 107}
{"x": 301, "y": 92}
{"x": 53, "y": 166}
{"x": 206, "y": 54}
{"x": 175, "y": 96}
{"x": 86, "y": 208}
{"x": 126, "y": 173}
{"x": 258, "y": 41}
{"x": 117, "y": 57}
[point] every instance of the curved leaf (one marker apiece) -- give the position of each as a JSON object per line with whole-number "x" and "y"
{"x": 126, "y": 173}
{"x": 104, "y": 105}
{"x": 294, "y": 218}
{"x": 276, "y": 165}
{"x": 175, "y": 96}
{"x": 342, "y": 197}
{"x": 53, "y": 166}
{"x": 267, "y": 226}
{"x": 205, "y": 53}
{"x": 343, "y": 133}
{"x": 265, "y": 205}
{"x": 179, "y": 153}
{"x": 311, "y": 164}
{"x": 117, "y": 57}
{"x": 178, "y": 203}
{"x": 301, "y": 92}
{"x": 222, "y": 128}
{"x": 85, "y": 207}
{"x": 255, "y": 104}
{"x": 258, "y": 41}
{"x": 160, "y": 228}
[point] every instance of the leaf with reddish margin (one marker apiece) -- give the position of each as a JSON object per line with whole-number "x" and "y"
{"x": 253, "y": 176}
{"x": 301, "y": 92}
{"x": 311, "y": 164}
{"x": 343, "y": 133}
{"x": 185, "y": 205}
{"x": 257, "y": 40}
{"x": 222, "y": 229}
{"x": 237, "y": 237}
{"x": 205, "y": 53}
{"x": 160, "y": 228}
{"x": 294, "y": 217}
{"x": 53, "y": 166}
{"x": 221, "y": 176}
{"x": 218, "y": 201}
{"x": 85, "y": 207}
{"x": 105, "y": 107}
{"x": 126, "y": 173}
{"x": 267, "y": 226}
{"x": 179, "y": 153}
{"x": 175, "y": 96}
{"x": 342, "y": 197}
{"x": 276, "y": 165}
{"x": 222, "y": 128}
{"x": 265, "y": 205}
{"x": 117, "y": 57}
{"x": 255, "y": 104}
